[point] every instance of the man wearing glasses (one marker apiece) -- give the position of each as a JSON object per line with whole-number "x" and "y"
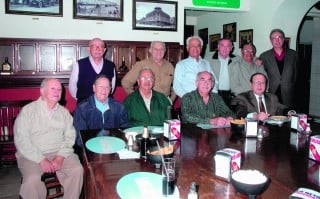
{"x": 85, "y": 71}
{"x": 242, "y": 70}
{"x": 146, "y": 106}
{"x": 256, "y": 103}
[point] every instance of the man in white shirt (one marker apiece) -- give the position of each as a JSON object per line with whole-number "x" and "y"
{"x": 187, "y": 69}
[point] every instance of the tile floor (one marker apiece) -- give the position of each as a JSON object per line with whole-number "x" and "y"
{"x": 10, "y": 179}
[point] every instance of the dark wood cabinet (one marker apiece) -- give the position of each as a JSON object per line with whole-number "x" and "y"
{"x": 35, "y": 59}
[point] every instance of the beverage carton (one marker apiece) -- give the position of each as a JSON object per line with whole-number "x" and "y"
{"x": 299, "y": 122}
{"x": 226, "y": 162}
{"x": 172, "y": 129}
{"x": 314, "y": 148}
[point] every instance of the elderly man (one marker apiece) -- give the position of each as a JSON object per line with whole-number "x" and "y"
{"x": 146, "y": 106}
{"x": 203, "y": 106}
{"x": 85, "y": 71}
{"x": 242, "y": 70}
{"x": 221, "y": 62}
{"x": 100, "y": 111}
{"x": 162, "y": 69}
{"x": 44, "y": 136}
{"x": 256, "y": 103}
{"x": 187, "y": 69}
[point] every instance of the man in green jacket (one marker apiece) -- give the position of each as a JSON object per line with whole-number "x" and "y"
{"x": 146, "y": 106}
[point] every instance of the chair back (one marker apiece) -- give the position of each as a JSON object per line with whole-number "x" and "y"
{"x": 9, "y": 110}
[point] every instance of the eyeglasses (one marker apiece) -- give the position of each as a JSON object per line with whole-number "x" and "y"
{"x": 259, "y": 83}
{"x": 207, "y": 81}
{"x": 248, "y": 51}
{"x": 103, "y": 87}
{"x": 97, "y": 47}
{"x": 150, "y": 79}
{"x": 276, "y": 38}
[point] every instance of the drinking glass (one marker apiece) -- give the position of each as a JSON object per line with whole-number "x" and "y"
{"x": 168, "y": 176}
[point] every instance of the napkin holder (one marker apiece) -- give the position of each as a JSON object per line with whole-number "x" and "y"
{"x": 314, "y": 148}
{"x": 251, "y": 129}
{"x": 172, "y": 129}
{"x": 297, "y": 120}
{"x": 304, "y": 193}
{"x": 226, "y": 162}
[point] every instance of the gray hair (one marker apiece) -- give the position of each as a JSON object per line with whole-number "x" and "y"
{"x": 194, "y": 37}
{"x": 277, "y": 30}
{"x": 160, "y": 42}
{"x": 45, "y": 81}
{"x": 146, "y": 68}
{"x": 202, "y": 72}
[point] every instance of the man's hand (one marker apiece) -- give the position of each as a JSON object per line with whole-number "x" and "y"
{"x": 46, "y": 166}
{"x": 57, "y": 162}
{"x": 219, "y": 121}
{"x": 262, "y": 116}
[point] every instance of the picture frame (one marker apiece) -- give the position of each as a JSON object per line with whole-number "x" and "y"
{"x": 144, "y": 10}
{"x": 111, "y": 10}
{"x": 203, "y": 34}
{"x": 230, "y": 31}
{"x": 41, "y": 8}
{"x": 213, "y": 41}
{"x": 245, "y": 37}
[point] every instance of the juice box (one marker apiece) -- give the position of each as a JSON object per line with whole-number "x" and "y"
{"x": 172, "y": 129}
{"x": 227, "y": 161}
{"x": 314, "y": 148}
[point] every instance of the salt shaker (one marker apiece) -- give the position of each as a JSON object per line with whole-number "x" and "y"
{"x": 130, "y": 142}
{"x": 193, "y": 191}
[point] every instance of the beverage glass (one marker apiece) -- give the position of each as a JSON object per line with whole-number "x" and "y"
{"x": 168, "y": 176}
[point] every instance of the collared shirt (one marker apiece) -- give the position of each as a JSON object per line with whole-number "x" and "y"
{"x": 75, "y": 73}
{"x": 102, "y": 107}
{"x": 224, "y": 80}
{"x": 185, "y": 75}
{"x": 250, "y": 115}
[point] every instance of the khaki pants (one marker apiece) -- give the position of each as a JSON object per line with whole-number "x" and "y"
{"x": 70, "y": 177}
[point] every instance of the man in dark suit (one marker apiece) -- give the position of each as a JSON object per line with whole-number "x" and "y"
{"x": 257, "y": 104}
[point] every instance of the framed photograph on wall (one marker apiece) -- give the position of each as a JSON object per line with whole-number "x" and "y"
{"x": 111, "y": 10}
{"x": 28, "y": 7}
{"x": 154, "y": 15}
{"x": 245, "y": 37}
{"x": 203, "y": 34}
{"x": 213, "y": 41}
{"x": 230, "y": 31}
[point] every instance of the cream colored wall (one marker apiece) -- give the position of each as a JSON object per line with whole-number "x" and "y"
{"x": 26, "y": 26}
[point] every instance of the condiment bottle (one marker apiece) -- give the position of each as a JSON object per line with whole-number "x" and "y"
{"x": 308, "y": 129}
{"x": 130, "y": 142}
{"x": 193, "y": 191}
{"x": 144, "y": 142}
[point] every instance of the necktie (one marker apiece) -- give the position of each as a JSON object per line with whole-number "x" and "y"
{"x": 261, "y": 106}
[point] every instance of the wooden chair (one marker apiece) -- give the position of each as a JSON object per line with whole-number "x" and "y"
{"x": 8, "y": 113}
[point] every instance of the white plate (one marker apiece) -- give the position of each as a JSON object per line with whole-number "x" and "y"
{"x": 105, "y": 144}
{"x": 139, "y": 129}
{"x": 142, "y": 185}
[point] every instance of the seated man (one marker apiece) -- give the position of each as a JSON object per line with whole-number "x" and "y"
{"x": 44, "y": 136}
{"x": 100, "y": 111}
{"x": 256, "y": 103}
{"x": 146, "y": 106}
{"x": 203, "y": 106}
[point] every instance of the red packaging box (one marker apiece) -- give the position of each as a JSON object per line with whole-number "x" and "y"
{"x": 172, "y": 129}
{"x": 314, "y": 148}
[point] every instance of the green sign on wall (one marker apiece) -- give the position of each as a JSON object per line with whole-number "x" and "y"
{"x": 217, "y": 3}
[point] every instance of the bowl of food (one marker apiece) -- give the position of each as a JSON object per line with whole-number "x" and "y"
{"x": 238, "y": 124}
{"x": 250, "y": 182}
{"x": 154, "y": 154}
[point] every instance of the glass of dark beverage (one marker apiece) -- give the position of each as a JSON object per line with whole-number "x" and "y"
{"x": 168, "y": 176}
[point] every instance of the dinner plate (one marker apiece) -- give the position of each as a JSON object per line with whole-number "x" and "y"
{"x": 142, "y": 185}
{"x": 105, "y": 144}
{"x": 139, "y": 129}
{"x": 209, "y": 126}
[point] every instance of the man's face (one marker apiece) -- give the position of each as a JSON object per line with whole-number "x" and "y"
{"x": 146, "y": 80}
{"x": 194, "y": 48}
{"x": 204, "y": 83}
{"x": 157, "y": 51}
{"x": 277, "y": 40}
{"x": 97, "y": 49}
{"x": 52, "y": 91}
{"x": 225, "y": 48}
{"x": 247, "y": 53}
{"x": 258, "y": 84}
{"x": 102, "y": 89}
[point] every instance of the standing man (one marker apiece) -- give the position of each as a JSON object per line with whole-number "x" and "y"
{"x": 221, "y": 62}
{"x": 99, "y": 111}
{"x": 187, "y": 69}
{"x": 85, "y": 71}
{"x": 44, "y": 137}
{"x": 145, "y": 106}
{"x": 281, "y": 65}
{"x": 203, "y": 106}
{"x": 162, "y": 69}
{"x": 256, "y": 103}
{"x": 242, "y": 70}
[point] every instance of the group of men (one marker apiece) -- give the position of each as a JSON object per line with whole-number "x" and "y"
{"x": 212, "y": 92}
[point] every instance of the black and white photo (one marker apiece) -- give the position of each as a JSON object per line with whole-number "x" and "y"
{"x": 34, "y": 7}
{"x": 98, "y": 9}
{"x": 154, "y": 15}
